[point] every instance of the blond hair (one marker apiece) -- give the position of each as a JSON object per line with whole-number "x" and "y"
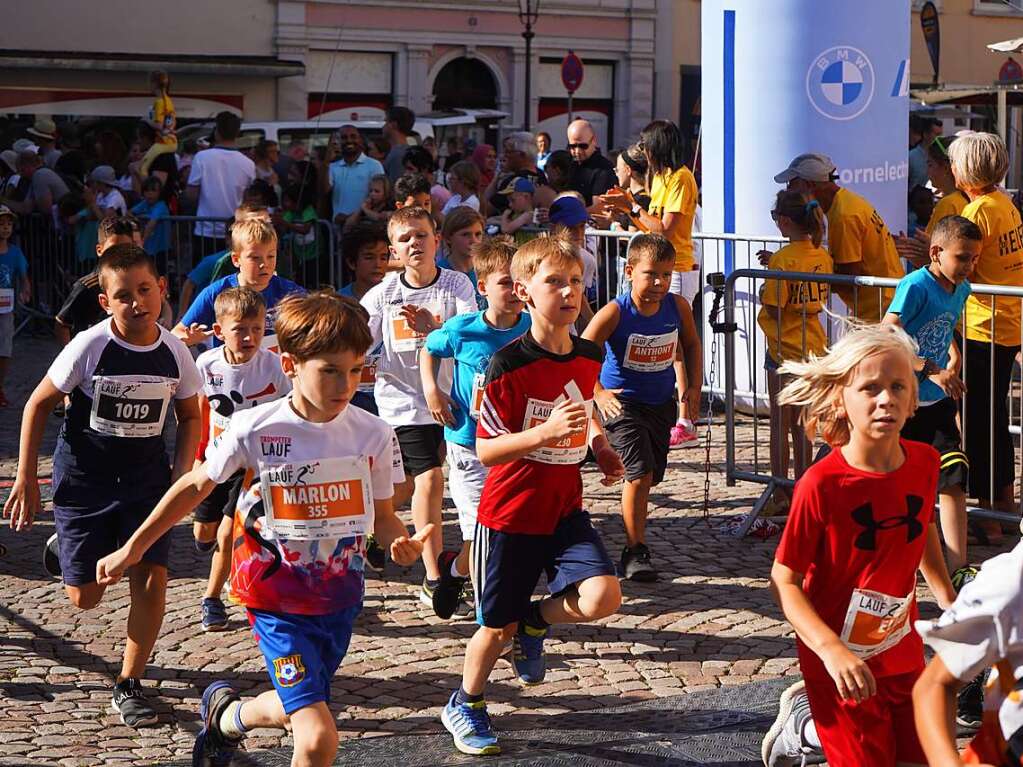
{"x": 492, "y": 256}
{"x": 558, "y": 248}
{"x": 238, "y": 302}
{"x": 978, "y": 160}
{"x": 312, "y": 324}
{"x": 817, "y": 387}
{"x": 252, "y": 231}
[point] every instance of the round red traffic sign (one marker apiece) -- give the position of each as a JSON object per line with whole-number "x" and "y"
{"x": 572, "y": 72}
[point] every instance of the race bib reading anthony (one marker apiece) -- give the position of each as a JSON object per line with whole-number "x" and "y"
{"x": 405, "y": 338}
{"x": 650, "y": 354}
{"x": 129, "y": 406}
{"x": 6, "y": 300}
{"x": 329, "y": 498}
{"x": 875, "y": 622}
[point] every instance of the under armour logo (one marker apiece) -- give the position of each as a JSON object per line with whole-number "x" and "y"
{"x": 864, "y": 517}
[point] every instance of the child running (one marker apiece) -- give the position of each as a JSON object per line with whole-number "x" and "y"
{"x": 534, "y": 429}
{"x": 643, "y": 332}
{"x": 110, "y": 463}
{"x": 462, "y": 231}
{"x": 861, "y": 525}
{"x": 236, "y": 376}
{"x": 403, "y": 309}
{"x": 790, "y": 320}
{"x": 325, "y": 480}
{"x": 471, "y": 340}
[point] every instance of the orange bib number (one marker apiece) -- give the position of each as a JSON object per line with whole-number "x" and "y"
{"x": 650, "y": 354}
{"x": 875, "y": 622}
{"x": 404, "y": 338}
{"x": 368, "y": 380}
{"x": 476, "y": 402}
{"x": 571, "y": 449}
{"x": 329, "y": 498}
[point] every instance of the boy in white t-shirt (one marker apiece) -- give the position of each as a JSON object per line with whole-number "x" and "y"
{"x": 326, "y": 480}
{"x": 403, "y": 309}
{"x": 236, "y": 376}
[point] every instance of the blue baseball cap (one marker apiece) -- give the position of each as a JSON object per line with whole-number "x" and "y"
{"x": 519, "y": 184}
{"x": 568, "y": 211}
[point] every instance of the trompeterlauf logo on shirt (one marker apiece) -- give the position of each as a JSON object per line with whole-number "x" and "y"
{"x": 864, "y": 517}
{"x": 289, "y": 670}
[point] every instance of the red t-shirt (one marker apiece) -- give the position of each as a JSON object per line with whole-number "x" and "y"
{"x": 858, "y": 538}
{"x": 531, "y": 495}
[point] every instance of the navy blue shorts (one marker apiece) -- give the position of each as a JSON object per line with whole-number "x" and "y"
{"x": 95, "y": 517}
{"x": 302, "y": 652}
{"x": 222, "y": 501}
{"x": 508, "y": 566}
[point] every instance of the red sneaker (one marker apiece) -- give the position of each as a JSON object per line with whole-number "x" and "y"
{"x": 680, "y": 435}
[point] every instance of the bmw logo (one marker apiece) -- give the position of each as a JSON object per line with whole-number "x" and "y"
{"x": 840, "y": 82}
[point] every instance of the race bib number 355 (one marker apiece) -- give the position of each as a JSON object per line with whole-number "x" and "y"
{"x": 328, "y": 498}
{"x": 875, "y": 622}
{"x": 129, "y": 408}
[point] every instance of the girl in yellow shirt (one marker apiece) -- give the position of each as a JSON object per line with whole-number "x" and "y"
{"x": 162, "y": 119}
{"x": 789, "y": 318}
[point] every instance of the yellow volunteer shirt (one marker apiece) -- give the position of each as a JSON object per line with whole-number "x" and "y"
{"x": 1000, "y": 263}
{"x": 789, "y": 312}
{"x": 949, "y": 205}
{"x": 164, "y": 116}
{"x": 676, "y": 193}
{"x": 856, "y": 232}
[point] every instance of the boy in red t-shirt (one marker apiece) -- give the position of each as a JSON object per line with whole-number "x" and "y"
{"x": 861, "y": 525}
{"x": 536, "y": 421}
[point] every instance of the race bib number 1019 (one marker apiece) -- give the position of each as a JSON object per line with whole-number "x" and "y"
{"x": 129, "y": 408}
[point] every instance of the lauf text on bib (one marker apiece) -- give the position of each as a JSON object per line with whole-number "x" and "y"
{"x": 328, "y": 498}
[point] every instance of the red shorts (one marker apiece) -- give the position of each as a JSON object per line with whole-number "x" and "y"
{"x": 879, "y": 732}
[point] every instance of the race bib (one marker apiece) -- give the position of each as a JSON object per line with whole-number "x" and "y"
{"x": 476, "y": 399}
{"x": 650, "y": 354}
{"x": 218, "y": 425}
{"x": 368, "y": 380}
{"x": 129, "y": 407}
{"x": 875, "y": 622}
{"x": 6, "y": 300}
{"x": 571, "y": 449}
{"x": 329, "y": 498}
{"x": 404, "y": 338}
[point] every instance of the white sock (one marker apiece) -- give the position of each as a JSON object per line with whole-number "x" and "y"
{"x": 686, "y": 422}
{"x": 454, "y": 569}
{"x": 231, "y": 721}
{"x": 810, "y": 735}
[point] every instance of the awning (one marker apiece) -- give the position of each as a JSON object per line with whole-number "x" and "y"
{"x": 1007, "y": 46}
{"x": 236, "y": 66}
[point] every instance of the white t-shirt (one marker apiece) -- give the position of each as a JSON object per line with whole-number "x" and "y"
{"x": 472, "y": 201}
{"x": 982, "y": 627}
{"x": 589, "y": 268}
{"x": 221, "y": 175}
{"x": 228, "y": 389}
{"x": 399, "y": 389}
{"x": 272, "y": 568}
{"x": 112, "y": 199}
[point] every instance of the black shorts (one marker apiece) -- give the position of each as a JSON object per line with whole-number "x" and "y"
{"x": 221, "y": 502}
{"x": 641, "y": 436}
{"x": 988, "y": 445}
{"x": 935, "y": 425}
{"x": 508, "y": 566}
{"x": 422, "y": 447}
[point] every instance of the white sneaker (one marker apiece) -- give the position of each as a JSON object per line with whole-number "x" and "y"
{"x": 784, "y": 744}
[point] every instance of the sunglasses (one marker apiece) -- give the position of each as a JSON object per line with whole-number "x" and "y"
{"x": 584, "y": 146}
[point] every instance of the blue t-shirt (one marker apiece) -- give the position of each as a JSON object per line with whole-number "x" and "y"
{"x": 481, "y": 302}
{"x": 929, "y": 313}
{"x": 159, "y": 240}
{"x": 640, "y": 353}
{"x": 13, "y": 268}
{"x": 347, "y": 290}
{"x": 471, "y": 341}
{"x": 201, "y": 310}
{"x": 202, "y": 274}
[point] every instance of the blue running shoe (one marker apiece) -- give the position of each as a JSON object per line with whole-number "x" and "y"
{"x": 214, "y": 614}
{"x": 212, "y": 748}
{"x": 528, "y": 658}
{"x": 469, "y": 724}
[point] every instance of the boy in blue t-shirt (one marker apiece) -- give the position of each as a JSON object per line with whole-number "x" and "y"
{"x": 156, "y": 237}
{"x": 927, "y": 305}
{"x": 471, "y": 340}
{"x": 13, "y": 282}
{"x": 254, "y": 252}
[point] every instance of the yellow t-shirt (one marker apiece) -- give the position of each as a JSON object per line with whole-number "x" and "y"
{"x": 856, "y": 232}
{"x": 676, "y": 192}
{"x": 949, "y": 205}
{"x": 163, "y": 115}
{"x": 788, "y": 315}
{"x": 1000, "y": 263}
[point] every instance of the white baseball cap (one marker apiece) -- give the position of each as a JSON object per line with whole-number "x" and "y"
{"x": 809, "y": 167}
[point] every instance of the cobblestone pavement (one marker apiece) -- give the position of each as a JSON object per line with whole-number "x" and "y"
{"x": 708, "y": 623}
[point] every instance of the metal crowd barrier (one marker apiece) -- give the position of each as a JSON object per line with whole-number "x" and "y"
{"x": 745, "y": 377}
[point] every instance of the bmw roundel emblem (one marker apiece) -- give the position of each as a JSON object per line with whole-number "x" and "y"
{"x": 840, "y": 82}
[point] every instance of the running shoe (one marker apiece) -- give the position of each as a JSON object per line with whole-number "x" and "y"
{"x": 681, "y": 435}
{"x": 636, "y": 566}
{"x": 962, "y": 576}
{"x": 785, "y": 744}
{"x": 130, "y": 702}
{"x": 467, "y": 604}
{"x": 212, "y": 748}
{"x": 426, "y": 592}
{"x": 469, "y": 725}
{"x": 970, "y": 704}
{"x": 214, "y": 614}
{"x": 375, "y": 557}
{"x": 51, "y": 557}
{"x": 448, "y": 593}
{"x": 528, "y": 657}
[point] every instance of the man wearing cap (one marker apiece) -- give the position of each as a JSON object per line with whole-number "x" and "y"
{"x": 44, "y": 131}
{"x": 858, "y": 240}
{"x": 592, "y": 173}
{"x": 45, "y": 187}
{"x": 518, "y": 160}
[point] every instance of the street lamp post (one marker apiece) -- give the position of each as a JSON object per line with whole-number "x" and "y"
{"x": 529, "y": 10}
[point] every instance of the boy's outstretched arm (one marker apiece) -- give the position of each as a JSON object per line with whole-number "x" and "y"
{"x": 186, "y": 440}
{"x": 24, "y": 501}
{"x": 934, "y": 708}
{"x": 393, "y": 535}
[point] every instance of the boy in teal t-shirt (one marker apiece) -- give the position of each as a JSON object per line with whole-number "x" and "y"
{"x": 471, "y": 340}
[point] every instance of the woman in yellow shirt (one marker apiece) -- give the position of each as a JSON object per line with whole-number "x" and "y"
{"x": 162, "y": 119}
{"x": 789, "y": 318}
{"x": 979, "y": 163}
{"x": 939, "y": 171}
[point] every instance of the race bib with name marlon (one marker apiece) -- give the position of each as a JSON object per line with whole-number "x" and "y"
{"x": 327, "y": 498}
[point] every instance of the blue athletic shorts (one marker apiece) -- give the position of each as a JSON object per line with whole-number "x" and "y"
{"x": 93, "y": 517}
{"x": 508, "y": 566}
{"x": 302, "y": 652}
